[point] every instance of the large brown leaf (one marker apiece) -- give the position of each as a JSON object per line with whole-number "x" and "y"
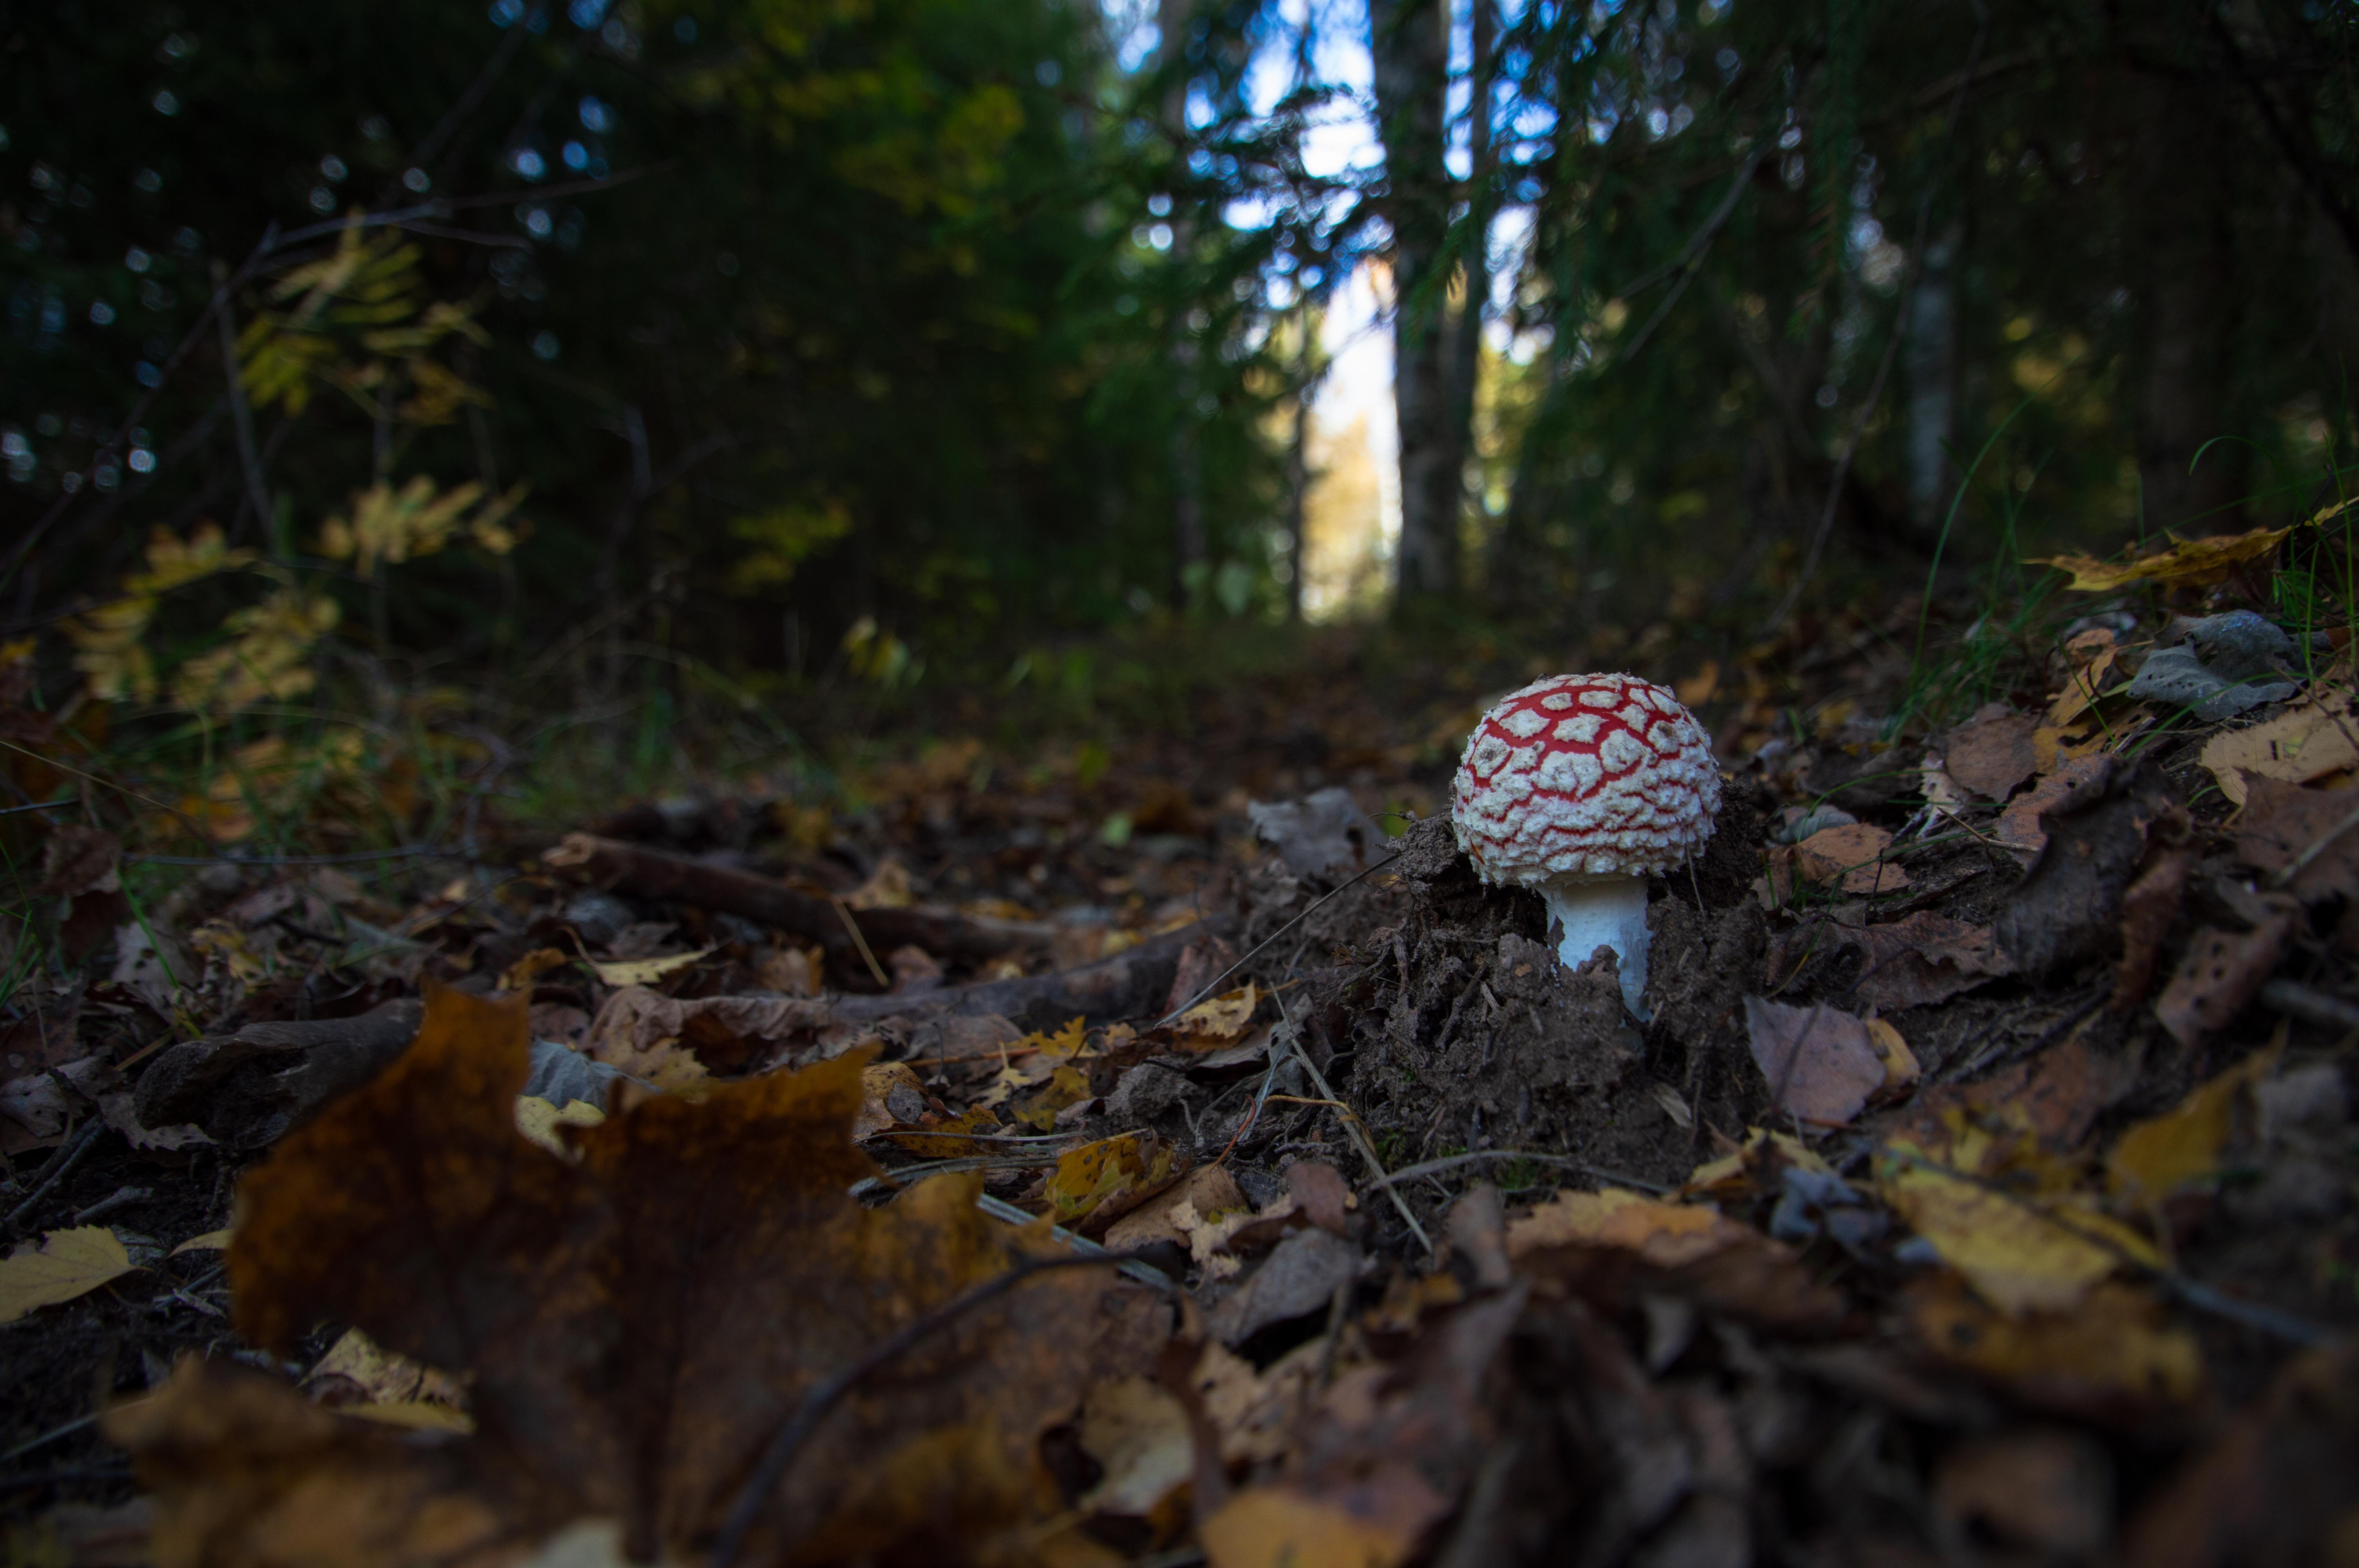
{"x": 639, "y": 1323}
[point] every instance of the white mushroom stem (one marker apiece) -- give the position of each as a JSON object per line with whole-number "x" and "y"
{"x": 1603, "y": 911}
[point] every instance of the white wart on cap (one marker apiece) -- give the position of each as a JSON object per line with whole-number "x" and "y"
{"x": 1582, "y": 787}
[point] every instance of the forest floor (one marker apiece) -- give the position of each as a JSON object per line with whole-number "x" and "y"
{"x": 717, "y": 1181}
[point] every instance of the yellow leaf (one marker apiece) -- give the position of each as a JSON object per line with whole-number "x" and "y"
{"x": 2017, "y": 1254}
{"x": 1900, "y": 1068}
{"x": 2117, "y": 1341}
{"x": 1277, "y": 1527}
{"x": 70, "y": 1263}
{"x": 2157, "y": 1157}
{"x": 539, "y": 1120}
{"x": 878, "y": 1083}
{"x": 1667, "y": 1235}
{"x": 1088, "y": 1178}
{"x": 521, "y": 974}
{"x": 2297, "y": 746}
{"x": 211, "y": 1241}
{"x": 2186, "y": 562}
{"x": 1066, "y": 1086}
{"x": 1224, "y": 1017}
{"x": 647, "y": 971}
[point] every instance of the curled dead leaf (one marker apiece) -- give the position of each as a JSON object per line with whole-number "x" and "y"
{"x": 2183, "y": 563}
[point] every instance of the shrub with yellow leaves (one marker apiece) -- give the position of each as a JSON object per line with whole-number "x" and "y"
{"x": 394, "y": 525}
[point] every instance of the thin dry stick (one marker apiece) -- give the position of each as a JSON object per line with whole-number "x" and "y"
{"x": 2325, "y": 841}
{"x": 861, "y": 942}
{"x": 1352, "y": 1129}
{"x": 1213, "y": 986}
{"x": 1451, "y": 1162}
{"x": 825, "y": 1396}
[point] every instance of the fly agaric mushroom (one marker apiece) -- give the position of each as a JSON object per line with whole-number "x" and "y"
{"x": 1582, "y": 787}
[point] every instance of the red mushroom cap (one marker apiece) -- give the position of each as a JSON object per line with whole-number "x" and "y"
{"x": 1586, "y": 775}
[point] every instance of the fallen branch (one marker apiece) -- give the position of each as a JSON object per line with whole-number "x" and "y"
{"x": 245, "y": 1089}
{"x": 654, "y": 873}
{"x": 1130, "y": 984}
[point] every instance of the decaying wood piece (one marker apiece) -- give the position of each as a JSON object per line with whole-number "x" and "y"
{"x": 246, "y": 1089}
{"x": 652, "y": 873}
{"x": 1133, "y": 983}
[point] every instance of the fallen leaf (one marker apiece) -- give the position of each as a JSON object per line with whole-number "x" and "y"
{"x": 121, "y": 1112}
{"x": 211, "y": 1241}
{"x": 1615, "y": 1245}
{"x": 2115, "y": 1355}
{"x": 69, "y": 1264}
{"x": 940, "y": 1141}
{"x": 76, "y": 859}
{"x": 2273, "y": 1487}
{"x": 539, "y": 1120}
{"x": 649, "y": 971}
{"x": 2158, "y": 1156}
{"x": 794, "y": 971}
{"x": 1900, "y": 1068}
{"x": 1820, "y": 1062}
{"x": 2184, "y": 563}
{"x": 2307, "y": 741}
{"x": 1066, "y": 1086}
{"x": 520, "y": 975}
{"x": 2040, "y": 1491}
{"x": 1850, "y": 855}
{"x": 2149, "y": 906}
{"x": 2090, "y": 655}
{"x": 890, "y": 1095}
{"x": 1324, "y": 835}
{"x": 1298, "y": 1278}
{"x": 2019, "y": 1253}
{"x": 1754, "y": 1167}
{"x": 1139, "y": 1432}
{"x": 2067, "y": 910}
{"x": 1221, "y": 1018}
{"x": 2071, "y": 785}
{"x": 1178, "y": 1214}
{"x": 2223, "y": 971}
{"x": 1919, "y": 961}
{"x": 2282, "y": 823}
{"x": 671, "y": 1042}
{"x": 1992, "y": 755}
{"x": 356, "y": 1369}
{"x": 636, "y": 1325}
{"x": 1277, "y": 1527}
{"x": 888, "y": 887}
{"x": 1107, "y": 1179}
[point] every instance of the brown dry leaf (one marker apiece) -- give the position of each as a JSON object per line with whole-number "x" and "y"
{"x": 1382, "y": 1454}
{"x": 2115, "y": 1355}
{"x": 889, "y": 887}
{"x": 2185, "y": 562}
{"x": 1992, "y": 755}
{"x": 890, "y": 1096}
{"x": 1849, "y": 854}
{"x": 2091, "y": 655}
{"x": 520, "y": 975}
{"x": 1920, "y": 960}
{"x": 1219, "y": 1020}
{"x": 2158, "y": 1156}
{"x": 2042, "y": 1490}
{"x": 648, "y": 1035}
{"x": 1752, "y": 1167}
{"x": 2223, "y": 971}
{"x": 1105, "y": 1179}
{"x": 2282, "y": 822}
{"x": 2149, "y": 905}
{"x": 1613, "y": 1246}
{"x": 2275, "y": 1486}
{"x": 2074, "y": 783}
{"x": 362, "y": 1378}
{"x": 940, "y": 1142}
{"x": 650, "y": 971}
{"x": 69, "y": 1264}
{"x": 78, "y": 860}
{"x": 794, "y": 971}
{"x": 1183, "y": 1213}
{"x": 1820, "y": 1062}
{"x": 2307, "y": 741}
{"x": 1139, "y": 1432}
{"x": 636, "y": 1325}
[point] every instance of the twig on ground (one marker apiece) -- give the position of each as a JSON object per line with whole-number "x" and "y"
{"x": 1449, "y": 1162}
{"x": 1352, "y": 1130}
{"x": 1212, "y": 986}
{"x": 2311, "y": 1005}
{"x": 64, "y": 1162}
{"x": 825, "y": 1395}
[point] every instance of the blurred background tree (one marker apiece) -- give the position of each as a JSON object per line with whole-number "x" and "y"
{"x": 898, "y": 335}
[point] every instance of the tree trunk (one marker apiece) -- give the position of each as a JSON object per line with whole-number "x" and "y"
{"x": 1466, "y": 333}
{"x": 1409, "y": 39}
{"x": 1933, "y": 351}
{"x": 1297, "y": 467}
{"x": 1188, "y": 547}
{"x": 2188, "y": 310}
